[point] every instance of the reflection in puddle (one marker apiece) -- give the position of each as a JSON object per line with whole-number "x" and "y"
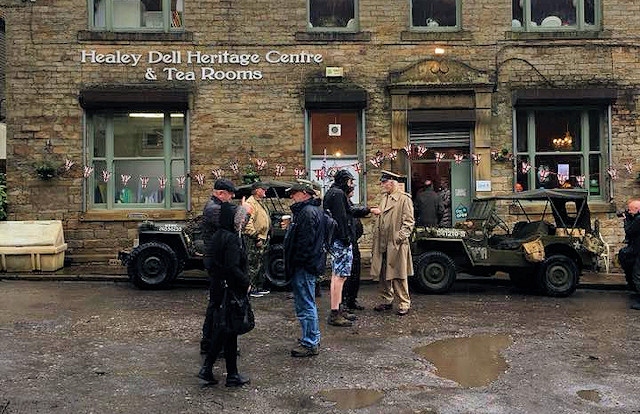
{"x": 471, "y": 362}
{"x": 347, "y": 399}
{"x": 591, "y": 395}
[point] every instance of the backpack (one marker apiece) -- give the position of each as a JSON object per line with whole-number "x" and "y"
{"x": 329, "y": 226}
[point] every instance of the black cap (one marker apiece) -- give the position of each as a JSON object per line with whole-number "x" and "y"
{"x": 301, "y": 187}
{"x": 259, "y": 184}
{"x": 388, "y": 175}
{"x": 224, "y": 184}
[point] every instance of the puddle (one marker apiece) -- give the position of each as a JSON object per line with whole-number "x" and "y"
{"x": 349, "y": 399}
{"x": 471, "y": 361}
{"x": 590, "y": 395}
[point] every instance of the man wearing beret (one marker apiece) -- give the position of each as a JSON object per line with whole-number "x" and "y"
{"x": 304, "y": 262}
{"x": 256, "y": 233}
{"x": 391, "y": 261}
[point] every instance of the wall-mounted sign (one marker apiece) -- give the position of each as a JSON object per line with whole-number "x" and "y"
{"x": 334, "y": 72}
{"x": 209, "y": 65}
{"x": 461, "y": 212}
{"x": 483, "y": 185}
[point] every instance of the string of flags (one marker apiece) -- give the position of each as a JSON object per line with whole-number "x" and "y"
{"x": 324, "y": 173}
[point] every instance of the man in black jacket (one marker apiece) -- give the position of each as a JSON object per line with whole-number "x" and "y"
{"x": 336, "y": 201}
{"x": 629, "y": 256}
{"x": 304, "y": 262}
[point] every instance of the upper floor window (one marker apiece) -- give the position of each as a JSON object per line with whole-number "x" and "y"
{"x": 435, "y": 14}
{"x": 154, "y": 15}
{"x": 543, "y": 15}
{"x": 138, "y": 159}
{"x": 333, "y": 15}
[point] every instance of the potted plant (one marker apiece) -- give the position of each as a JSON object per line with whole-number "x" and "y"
{"x": 46, "y": 169}
{"x": 250, "y": 175}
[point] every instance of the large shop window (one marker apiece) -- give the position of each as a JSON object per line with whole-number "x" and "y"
{"x": 435, "y": 14}
{"x": 561, "y": 148}
{"x": 554, "y": 15}
{"x": 333, "y": 15}
{"x": 139, "y": 15}
{"x": 138, "y": 160}
{"x": 334, "y": 145}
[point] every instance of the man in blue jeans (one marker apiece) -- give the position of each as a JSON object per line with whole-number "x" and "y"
{"x": 304, "y": 262}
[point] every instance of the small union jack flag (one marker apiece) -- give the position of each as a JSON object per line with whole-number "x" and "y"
{"x": 629, "y": 167}
{"x": 279, "y": 170}
{"x": 580, "y": 180}
{"x": 476, "y": 158}
{"x": 144, "y": 181}
{"x": 299, "y": 172}
{"x": 261, "y": 164}
{"x": 357, "y": 167}
{"x": 68, "y": 164}
{"x": 162, "y": 182}
{"x": 217, "y": 173}
{"x": 181, "y": 180}
{"x": 234, "y": 167}
{"x": 613, "y": 173}
{"x": 199, "y": 179}
{"x": 106, "y": 176}
{"x": 458, "y": 158}
{"x": 87, "y": 171}
{"x": 439, "y": 156}
{"x": 125, "y": 179}
{"x": 525, "y": 167}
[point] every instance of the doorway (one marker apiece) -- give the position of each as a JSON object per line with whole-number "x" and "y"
{"x": 451, "y": 180}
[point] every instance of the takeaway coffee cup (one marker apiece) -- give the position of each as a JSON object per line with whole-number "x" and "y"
{"x": 285, "y": 221}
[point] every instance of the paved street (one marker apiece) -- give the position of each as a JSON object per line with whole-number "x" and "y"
{"x": 103, "y": 346}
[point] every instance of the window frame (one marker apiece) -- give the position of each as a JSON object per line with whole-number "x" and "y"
{"x": 585, "y": 153}
{"x": 581, "y": 25}
{"x": 167, "y": 16}
{"x": 355, "y": 28}
{"x": 110, "y": 159}
{"x": 456, "y": 28}
{"x": 330, "y": 160}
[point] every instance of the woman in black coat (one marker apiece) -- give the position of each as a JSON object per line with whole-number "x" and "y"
{"x": 226, "y": 260}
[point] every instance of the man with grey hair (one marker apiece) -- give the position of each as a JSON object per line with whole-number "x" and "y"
{"x": 629, "y": 256}
{"x": 391, "y": 261}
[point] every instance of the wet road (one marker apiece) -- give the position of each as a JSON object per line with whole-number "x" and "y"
{"x": 97, "y": 347}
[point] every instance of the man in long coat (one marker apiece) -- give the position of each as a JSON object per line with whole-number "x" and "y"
{"x": 391, "y": 261}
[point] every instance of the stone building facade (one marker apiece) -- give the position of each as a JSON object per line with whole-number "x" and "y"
{"x": 173, "y": 92}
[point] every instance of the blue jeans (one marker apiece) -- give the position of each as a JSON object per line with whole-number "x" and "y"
{"x": 303, "y": 285}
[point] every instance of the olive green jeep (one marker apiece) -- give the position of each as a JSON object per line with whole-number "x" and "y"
{"x": 538, "y": 255}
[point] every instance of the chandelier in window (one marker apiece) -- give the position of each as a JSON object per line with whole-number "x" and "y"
{"x": 563, "y": 143}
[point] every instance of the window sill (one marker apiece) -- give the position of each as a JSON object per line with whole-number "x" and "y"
{"x": 88, "y": 35}
{"x": 333, "y": 37}
{"x": 420, "y": 36}
{"x": 133, "y": 215}
{"x": 559, "y": 35}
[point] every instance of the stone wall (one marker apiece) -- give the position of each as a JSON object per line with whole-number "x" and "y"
{"x": 44, "y": 77}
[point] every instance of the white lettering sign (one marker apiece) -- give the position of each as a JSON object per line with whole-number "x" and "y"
{"x": 212, "y": 64}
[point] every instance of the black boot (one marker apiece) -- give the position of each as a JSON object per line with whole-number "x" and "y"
{"x": 206, "y": 372}
{"x": 635, "y": 305}
{"x": 236, "y": 380}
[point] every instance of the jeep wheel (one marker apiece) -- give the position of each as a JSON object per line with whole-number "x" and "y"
{"x": 435, "y": 272}
{"x": 152, "y": 266}
{"x": 558, "y": 276}
{"x": 274, "y": 266}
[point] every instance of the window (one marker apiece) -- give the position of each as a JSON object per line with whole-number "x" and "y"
{"x": 561, "y": 148}
{"x": 435, "y": 14}
{"x": 139, "y": 15}
{"x": 554, "y": 15}
{"x": 333, "y": 15}
{"x": 335, "y": 144}
{"x": 138, "y": 159}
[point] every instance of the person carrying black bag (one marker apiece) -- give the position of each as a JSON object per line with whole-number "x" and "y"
{"x": 227, "y": 264}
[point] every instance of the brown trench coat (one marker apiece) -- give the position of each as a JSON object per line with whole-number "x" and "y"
{"x": 394, "y": 224}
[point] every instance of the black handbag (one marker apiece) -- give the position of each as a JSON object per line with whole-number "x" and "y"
{"x": 239, "y": 318}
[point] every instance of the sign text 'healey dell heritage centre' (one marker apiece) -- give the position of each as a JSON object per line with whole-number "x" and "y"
{"x": 209, "y": 63}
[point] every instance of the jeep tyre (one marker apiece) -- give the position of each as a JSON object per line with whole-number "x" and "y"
{"x": 435, "y": 272}
{"x": 558, "y": 276}
{"x": 152, "y": 265}
{"x": 274, "y": 266}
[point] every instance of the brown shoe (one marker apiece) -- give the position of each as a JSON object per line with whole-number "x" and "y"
{"x": 402, "y": 312}
{"x": 348, "y": 315}
{"x": 336, "y": 319}
{"x": 382, "y": 307}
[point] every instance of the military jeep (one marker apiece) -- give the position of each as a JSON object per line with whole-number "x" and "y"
{"x": 165, "y": 250}
{"x": 538, "y": 255}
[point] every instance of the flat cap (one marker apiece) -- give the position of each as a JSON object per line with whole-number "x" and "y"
{"x": 259, "y": 184}
{"x": 224, "y": 184}
{"x": 388, "y": 175}
{"x": 301, "y": 187}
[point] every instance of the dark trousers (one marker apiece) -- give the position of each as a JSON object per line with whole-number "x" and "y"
{"x": 630, "y": 262}
{"x": 352, "y": 284}
{"x": 216, "y": 338}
